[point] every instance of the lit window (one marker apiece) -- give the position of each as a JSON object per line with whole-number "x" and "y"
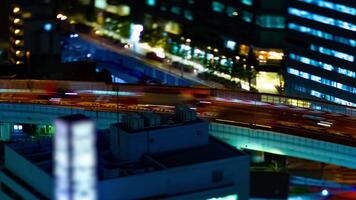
{"x": 217, "y": 6}
{"x": 17, "y": 20}
{"x": 331, "y": 52}
{"x": 16, "y": 10}
{"x": 47, "y": 27}
{"x": 323, "y": 81}
{"x": 322, "y": 19}
{"x": 231, "y": 45}
{"x": 315, "y": 78}
{"x": 151, "y": 2}
{"x": 331, "y": 98}
{"x": 321, "y": 34}
{"x": 333, "y": 6}
{"x": 270, "y": 21}
{"x": 247, "y": 16}
{"x": 175, "y": 10}
{"x": 300, "y": 88}
{"x": 247, "y": 2}
{"x": 188, "y": 15}
{"x": 315, "y": 93}
{"x": 231, "y": 12}
{"x": 100, "y": 4}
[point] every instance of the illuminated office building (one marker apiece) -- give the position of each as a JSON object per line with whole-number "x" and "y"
{"x": 322, "y": 50}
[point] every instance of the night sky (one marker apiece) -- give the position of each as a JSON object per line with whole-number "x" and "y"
{"x": 3, "y": 20}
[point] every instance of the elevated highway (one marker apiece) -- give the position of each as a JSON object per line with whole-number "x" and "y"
{"x": 276, "y": 124}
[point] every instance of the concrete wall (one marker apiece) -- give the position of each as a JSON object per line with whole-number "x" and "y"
{"x": 134, "y": 145}
{"x": 284, "y": 144}
{"x": 182, "y": 180}
{"x": 42, "y": 114}
{"x": 180, "y": 137}
{"x": 29, "y": 173}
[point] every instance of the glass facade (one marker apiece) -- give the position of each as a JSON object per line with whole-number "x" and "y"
{"x": 333, "y": 6}
{"x": 331, "y": 52}
{"x": 324, "y": 96}
{"x": 321, "y": 34}
{"x": 322, "y": 19}
{"x": 271, "y": 21}
{"x": 322, "y": 65}
{"x": 321, "y": 80}
{"x": 325, "y": 58}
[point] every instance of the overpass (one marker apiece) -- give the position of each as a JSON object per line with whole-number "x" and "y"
{"x": 270, "y": 123}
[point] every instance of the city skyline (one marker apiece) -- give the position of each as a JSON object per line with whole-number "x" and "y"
{"x": 178, "y": 99}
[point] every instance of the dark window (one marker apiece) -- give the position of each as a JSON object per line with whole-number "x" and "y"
{"x": 217, "y": 176}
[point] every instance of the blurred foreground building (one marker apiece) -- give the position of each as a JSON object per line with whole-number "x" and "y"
{"x": 144, "y": 157}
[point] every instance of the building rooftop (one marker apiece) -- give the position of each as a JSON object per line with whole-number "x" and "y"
{"x": 215, "y": 150}
{"x": 40, "y": 154}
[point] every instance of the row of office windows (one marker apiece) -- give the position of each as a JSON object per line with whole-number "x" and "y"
{"x": 326, "y": 97}
{"x": 322, "y": 19}
{"x": 331, "y": 52}
{"x": 266, "y": 21}
{"x": 332, "y": 6}
{"x": 321, "y": 34}
{"x": 174, "y": 9}
{"x": 271, "y": 21}
{"x": 322, "y": 65}
{"x": 217, "y": 6}
{"x": 321, "y": 80}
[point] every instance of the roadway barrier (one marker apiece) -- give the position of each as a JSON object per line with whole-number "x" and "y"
{"x": 284, "y": 144}
{"x": 256, "y": 139}
{"x": 31, "y": 85}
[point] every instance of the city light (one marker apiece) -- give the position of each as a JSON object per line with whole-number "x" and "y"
{"x": 269, "y": 81}
{"x": 75, "y": 35}
{"x": 17, "y": 20}
{"x": 16, "y": 10}
{"x": 62, "y": 17}
{"x": 325, "y": 192}
{"x": 136, "y": 30}
{"x": 47, "y": 27}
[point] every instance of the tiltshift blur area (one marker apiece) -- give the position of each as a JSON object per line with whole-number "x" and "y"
{"x": 177, "y": 99}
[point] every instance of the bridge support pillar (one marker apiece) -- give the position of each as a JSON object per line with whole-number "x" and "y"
{"x": 5, "y": 131}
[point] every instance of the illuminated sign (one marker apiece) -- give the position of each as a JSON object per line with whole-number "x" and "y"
{"x": 75, "y": 158}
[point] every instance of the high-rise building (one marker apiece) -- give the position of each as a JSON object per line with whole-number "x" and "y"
{"x": 322, "y": 49}
{"x": 32, "y": 31}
